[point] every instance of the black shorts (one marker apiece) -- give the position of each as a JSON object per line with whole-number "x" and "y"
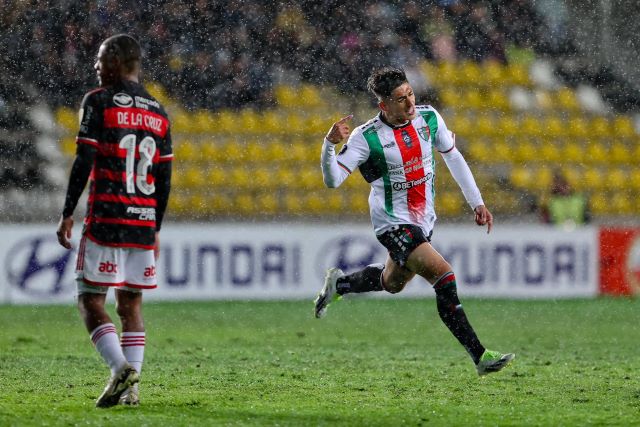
{"x": 401, "y": 240}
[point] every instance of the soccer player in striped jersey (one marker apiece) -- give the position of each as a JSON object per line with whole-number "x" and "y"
{"x": 124, "y": 148}
{"x": 394, "y": 154}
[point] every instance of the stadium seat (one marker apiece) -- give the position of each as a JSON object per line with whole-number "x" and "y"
{"x": 255, "y": 151}
{"x": 68, "y": 146}
{"x": 264, "y": 178}
{"x": 249, "y": 122}
{"x": 592, "y": 179}
{"x": 596, "y": 152}
{"x": 600, "y": 127}
{"x": 598, "y": 204}
{"x": 193, "y": 178}
{"x": 634, "y": 179}
{"x": 530, "y": 126}
{"x": 450, "y": 97}
{"x": 203, "y": 121}
{"x": 553, "y": 128}
{"x": 267, "y": 203}
{"x": 621, "y": 204}
{"x": 240, "y": 177}
{"x": 620, "y": 153}
{"x": 68, "y": 118}
{"x": 272, "y": 122}
{"x": 521, "y": 176}
{"x": 286, "y": 96}
{"x": 508, "y": 126}
{"x": 573, "y": 152}
{"x": 449, "y": 203}
{"x": 286, "y": 177}
{"x": 181, "y": 122}
{"x": 186, "y": 151}
{"x": 566, "y": 99}
{"x": 469, "y": 72}
{"x": 517, "y": 74}
{"x": 478, "y": 150}
{"x": 549, "y": 152}
{"x": 623, "y": 127}
{"x": 220, "y": 203}
{"x": 245, "y": 204}
{"x": 217, "y": 177}
{"x": 493, "y": 74}
{"x": 497, "y": 99}
{"x": 526, "y": 152}
{"x": 616, "y": 179}
{"x": 309, "y": 96}
{"x": 293, "y": 204}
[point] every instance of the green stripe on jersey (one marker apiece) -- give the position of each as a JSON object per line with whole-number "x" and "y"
{"x": 379, "y": 161}
{"x": 432, "y": 122}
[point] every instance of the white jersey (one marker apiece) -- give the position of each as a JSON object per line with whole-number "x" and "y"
{"x": 399, "y": 165}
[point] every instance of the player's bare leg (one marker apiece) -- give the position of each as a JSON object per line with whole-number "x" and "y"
{"x": 395, "y": 277}
{"x": 129, "y": 309}
{"x": 428, "y": 263}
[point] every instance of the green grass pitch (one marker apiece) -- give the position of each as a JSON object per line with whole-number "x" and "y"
{"x": 369, "y": 362}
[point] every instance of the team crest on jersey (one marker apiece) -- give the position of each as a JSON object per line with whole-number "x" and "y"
{"x": 425, "y": 133}
{"x": 122, "y": 100}
{"x": 406, "y": 139}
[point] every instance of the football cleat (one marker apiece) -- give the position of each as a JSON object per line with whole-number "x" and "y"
{"x": 117, "y": 385}
{"x": 493, "y": 361}
{"x": 328, "y": 294}
{"x": 130, "y": 397}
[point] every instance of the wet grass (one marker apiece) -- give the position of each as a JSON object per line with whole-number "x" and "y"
{"x": 370, "y": 362}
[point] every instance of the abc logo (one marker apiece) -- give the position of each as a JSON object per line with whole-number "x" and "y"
{"x": 150, "y": 271}
{"x": 108, "y": 267}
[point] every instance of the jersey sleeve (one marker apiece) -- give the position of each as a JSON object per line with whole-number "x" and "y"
{"x": 444, "y": 140}
{"x": 90, "y": 120}
{"x": 166, "y": 148}
{"x": 354, "y": 153}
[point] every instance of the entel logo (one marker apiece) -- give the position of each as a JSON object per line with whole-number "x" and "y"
{"x": 350, "y": 253}
{"x": 37, "y": 266}
{"x": 122, "y": 100}
{"x": 108, "y": 267}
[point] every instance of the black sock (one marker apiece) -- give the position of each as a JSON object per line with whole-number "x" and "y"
{"x": 453, "y": 316}
{"x": 365, "y": 280}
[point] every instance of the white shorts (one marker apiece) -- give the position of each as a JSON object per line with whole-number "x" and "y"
{"x": 100, "y": 267}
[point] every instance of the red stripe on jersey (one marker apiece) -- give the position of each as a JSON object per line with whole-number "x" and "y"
{"x": 87, "y": 141}
{"x": 166, "y": 158}
{"x": 136, "y": 222}
{"x": 109, "y": 175}
{"x": 413, "y": 170}
{"x": 344, "y": 167}
{"x": 116, "y": 245}
{"x": 117, "y": 198}
{"x": 136, "y": 118}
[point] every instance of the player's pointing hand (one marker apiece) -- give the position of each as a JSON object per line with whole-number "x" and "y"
{"x": 484, "y": 217}
{"x": 340, "y": 130}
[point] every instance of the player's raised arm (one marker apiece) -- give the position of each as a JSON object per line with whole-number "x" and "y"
{"x": 333, "y": 174}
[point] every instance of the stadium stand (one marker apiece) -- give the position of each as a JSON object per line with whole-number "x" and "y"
{"x": 247, "y": 125}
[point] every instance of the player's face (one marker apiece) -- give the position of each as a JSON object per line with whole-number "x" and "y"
{"x": 105, "y": 68}
{"x": 400, "y": 107}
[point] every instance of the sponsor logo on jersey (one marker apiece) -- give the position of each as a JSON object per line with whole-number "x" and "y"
{"x": 108, "y": 267}
{"x": 425, "y": 133}
{"x": 406, "y": 139}
{"x": 144, "y": 214}
{"x": 150, "y": 271}
{"x": 389, "y": 145}
{"x": 146, "y": 103}
{"x": 122, "y": 99}
{"x": 400, "y": 186}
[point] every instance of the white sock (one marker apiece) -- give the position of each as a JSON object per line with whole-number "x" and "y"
{"x": 133, "y": 348}
{"x": 105, "y": 339}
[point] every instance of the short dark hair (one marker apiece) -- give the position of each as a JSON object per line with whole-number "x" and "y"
{"x": 384, "y": 80}
{"x": 125, "y": 48}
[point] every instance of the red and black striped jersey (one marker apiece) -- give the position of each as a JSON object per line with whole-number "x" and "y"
{"x": 130, "y": 131}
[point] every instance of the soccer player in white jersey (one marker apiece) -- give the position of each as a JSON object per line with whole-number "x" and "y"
{"x": 394, "y": 154}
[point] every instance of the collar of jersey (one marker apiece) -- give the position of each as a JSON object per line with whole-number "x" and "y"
{"x": 383, "y": 120}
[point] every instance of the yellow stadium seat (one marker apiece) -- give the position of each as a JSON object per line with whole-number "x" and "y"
{"x": 186, "y": 151}
{"x": 600, "y": 127}
{"x": 294, "y": 125}
{"x": 68, "y": 118}
{"x": 276, "y": 151}
{"x": 526, "y": 151}
{"x": 469, "y": 72}
{"x": 578, "y": 128}
{"x": 621, "y": 204}
{"x": 573, "y": 152}
{"x": 177, "y": 202}
{"x": 517, "y": 74}
{"x": 309, "y": 96}
{"x": 217, "y": 177}
{"x": 521, "y": 177}
{"x": 212, "y": 151}
{"x": 573, "y": 176}
{"x": 309, "y": 179}
{"x": 249, "y": 122}
{"x": 316, "y": 125}
{"x": 634, "y": 179}
{"x": 334, "y": 202}
{"x": 68, "y": 146}
{"x": 616, "y": 179}
{"x": 181, "y": 122}
{"x": 286, "y": 96}
{"x": 623, "y": 127}
{"x": 235, "y": 152}
{"x": 241, "y": 177}
{"x": 620, "y": 153}
{"x": 197, "y": 205}
{"x": 498, "y": 100}
{"x": 271, "y": 122}
{"x": 450, "y": 98}
{"x": 203, "y": 121}
{"x": 293, "y": 204}
{"x": 493, "y": 73}
{"x": 566, "y": 99}
{"x": 508, "y": 126}
{"x": 553, "y": 127}
{"x": 542, "y": 178}
{"x": 267, "y": 203}
{"x": 226, "y": 121}
{"x": 503, "y": 152}
{"x": 446, "y": 74}
{"x": 193, "y": 178}
{"x": 244, "y": 204}
{"x": 598, "y": 204}
{"x": 596, "y": 153}
{"x": 592, "y": 179}
{"x": 220, "y": 203}
{"x": 484, "y": 127}
{"x": 544, "y": 100}
{"x": 255, "y": 151}
{"x": 449, "y": 203}
{"x": 461, "y": 125}
{"x": 286, "y": 177}
{"x": 156, "y": 90}
{"x": 473, "y": 99}
{"x": 530, "y": 126}
{"x": 479, "y": 150}
{"x": 263, "y": 177}
{"x": 315, "y": 204}
{"x": 297, "y": 152}
{"x": 549, "y": 152}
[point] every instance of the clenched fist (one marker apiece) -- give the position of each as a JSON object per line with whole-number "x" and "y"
{"x": 340, "y": 130}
